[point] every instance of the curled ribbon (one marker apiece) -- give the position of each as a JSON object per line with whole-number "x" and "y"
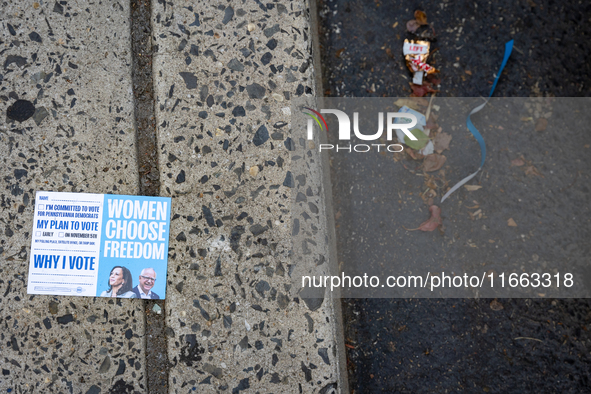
{"x": 474, "y": 130}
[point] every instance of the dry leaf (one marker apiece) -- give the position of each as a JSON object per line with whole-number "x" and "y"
{"x": 394, "y": 25}
{"x": 430, "y": 182}
{"x": 541, "y": 124}
{"x": 433, "y": 162}
{"x": 421, "y": 17}
{"x": 496, "y": 305}
{"x": 337, "y": 215}
{"x": 414, "y": 154}
{"x": 412, "y": 25}
{"x": 531, "y": 170}
{"x": 517, "y": 162}
{"x": 468, "y": 72}
{"x": 434, "y": 221}
{"x": 472, "y": 188}
{"x": 441, "y": 141}
{"x": 422, "y": 90}
{"x": 511, "y": 223}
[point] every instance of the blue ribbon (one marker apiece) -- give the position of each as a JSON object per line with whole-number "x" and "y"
{"x": 474, "y": 130}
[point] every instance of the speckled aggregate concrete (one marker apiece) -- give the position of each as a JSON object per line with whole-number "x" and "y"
{"x": 71, "y": 59}
{"x": 225, "y": 74}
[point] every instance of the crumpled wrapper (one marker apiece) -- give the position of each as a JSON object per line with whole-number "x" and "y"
{"x": 416, "y": 53}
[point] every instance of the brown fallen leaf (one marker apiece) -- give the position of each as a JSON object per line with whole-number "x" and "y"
{"x": 541, "y": 124}
{"x": 434, "y": 221}
{"x": 422, "y": 90}
{"x": 496, "y": 305}
{"x": 421, "y": 17}
{"x": 433, "y": 162}
{"x": 339, "y": 52}
{"x": 531, "y": 170}
{"x": 414, "y": 154}
{"x": 517, "y": 162}
{"x": 511, "y": 223}
{"x": 412, "y": 25}
{"x": 441, "y": 141}
{"x": 430, "y": 182}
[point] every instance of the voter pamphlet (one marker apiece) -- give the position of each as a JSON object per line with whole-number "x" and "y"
{"x": 100, "y": 245}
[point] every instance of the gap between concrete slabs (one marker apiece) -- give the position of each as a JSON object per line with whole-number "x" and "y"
{"x": 72, "y": 62}
{"x": 149, "y": 180}
{"x": 224, "y": 78}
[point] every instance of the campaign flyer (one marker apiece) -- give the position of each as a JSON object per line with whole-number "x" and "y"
{"x": 99, "y": 245}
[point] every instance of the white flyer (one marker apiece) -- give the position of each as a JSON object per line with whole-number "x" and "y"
{"x": 99, "y": 245}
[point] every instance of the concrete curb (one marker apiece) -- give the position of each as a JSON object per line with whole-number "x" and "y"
{"x": 224, "y": 77}
{"x": 330, "y": 219}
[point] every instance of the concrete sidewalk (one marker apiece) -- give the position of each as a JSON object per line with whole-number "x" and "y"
{"x": 224, "y": 77}
{"x": 71, "y": 61}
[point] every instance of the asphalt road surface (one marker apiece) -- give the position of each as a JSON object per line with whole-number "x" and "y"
{"x": 466, "y": 345}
